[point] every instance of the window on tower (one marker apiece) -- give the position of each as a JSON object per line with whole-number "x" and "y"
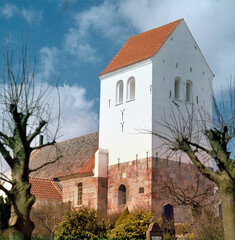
{"x": 177, "y": 88}
{"x": 119, "y": 92}
{"x": 121, "y": 195}
{"x": 131, "y": 89}
{"x": 189, "y": 91}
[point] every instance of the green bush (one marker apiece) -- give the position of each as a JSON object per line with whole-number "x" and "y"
{"x": 81, "y": 224}
{"x": 122, "y": 217}
{"x": 134, "y": 226}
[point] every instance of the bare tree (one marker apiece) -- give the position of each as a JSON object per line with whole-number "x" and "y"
{"x": 25, "y": 114}
{"x": 197, "y": 194}
{"x": 200, "y": 138}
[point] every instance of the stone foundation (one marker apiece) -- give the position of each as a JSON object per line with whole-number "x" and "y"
{"x": 145, "y": 181}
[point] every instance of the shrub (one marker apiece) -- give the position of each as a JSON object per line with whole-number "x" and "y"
{"x": 183, "y": 228}
{"x": 81, "y": 224}
{"x": 45, "y": 217}
{"x": 134, "y": 226}
{"x": 122, "y": 217}
{"x": 208, "y": 226}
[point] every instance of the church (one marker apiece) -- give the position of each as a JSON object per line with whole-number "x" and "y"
{"x": 125, "y": 164}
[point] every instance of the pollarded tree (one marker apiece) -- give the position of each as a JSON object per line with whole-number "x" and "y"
{"x": 25, "y": 114}
{"x": 200, "y": 137}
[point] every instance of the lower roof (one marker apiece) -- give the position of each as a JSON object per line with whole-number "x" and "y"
{"x": 77, "y": 157}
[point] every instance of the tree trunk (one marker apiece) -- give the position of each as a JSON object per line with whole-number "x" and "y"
{"x": 20, "y": 225}
{"x": 227, "y": 195}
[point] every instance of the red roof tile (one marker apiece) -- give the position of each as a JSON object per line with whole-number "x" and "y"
{"x": 141, "y": 46}
{"x": 45, "y": 189}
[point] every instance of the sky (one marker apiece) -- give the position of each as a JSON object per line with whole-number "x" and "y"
{"x": 74, "y": 40}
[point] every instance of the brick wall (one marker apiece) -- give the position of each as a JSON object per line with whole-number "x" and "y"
{"x": 94, "y": 192}
{"x": 168, "y": 173}
{"x": 151, "y": 175}
{"x": 134, "y": 175}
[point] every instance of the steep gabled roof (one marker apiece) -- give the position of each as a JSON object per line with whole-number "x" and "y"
{"x": 45, "y": 189}
{"x": 77, "y": 157}
{"x": 141, "y": 46}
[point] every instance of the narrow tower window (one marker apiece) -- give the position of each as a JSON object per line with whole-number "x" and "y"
{"x": 131, "y": 89}
{"x": 177, "y": 88}
{"x": 119, "y": 92}
{"x": 189, "y": 91}
{"x": 121, "y": 194}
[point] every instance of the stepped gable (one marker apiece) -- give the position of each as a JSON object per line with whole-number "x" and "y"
{"x": 141, "y": 46}
{"x": 45, "y": 189}
{"x": 78, "y": 157}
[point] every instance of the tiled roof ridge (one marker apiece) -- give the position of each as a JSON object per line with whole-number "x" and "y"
{"x": 71, "y": 139}
{"x": 125, "y": 57}
{"x": 153, "y": 29}
{"x": 36, "y": 178}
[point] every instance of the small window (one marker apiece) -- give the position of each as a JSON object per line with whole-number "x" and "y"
{"x": 131, "y": 89}
{"x": 122, "y": 195}
{"x": 141, "y": 190}
{"x": 79, "y": 202}
{"x": 189, "y": 91}
{"x": 119, "y": 92}
{"x": 177, "y": 88}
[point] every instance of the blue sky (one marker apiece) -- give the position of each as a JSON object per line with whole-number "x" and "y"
{"x": 76, "y": 39}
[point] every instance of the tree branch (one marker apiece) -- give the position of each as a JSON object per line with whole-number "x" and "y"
{"x": 36, "y": 132}
{"x": 44, "y": 145}
{"x": 7, "y": 192}
{"x": 188, "y": 150}
{"x": 3, "y": 135}
{"x": 6, "y": 155}
{"x": 45, "y": 164}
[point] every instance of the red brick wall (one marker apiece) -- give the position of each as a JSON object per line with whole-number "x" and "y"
{"x": 151, "y": 174}
{"x": 94, "y": 191}
{"x": 183, "y": 175}
{"x": 134, "y": 175}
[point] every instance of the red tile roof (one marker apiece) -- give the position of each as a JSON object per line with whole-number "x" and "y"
{"x": 45, "y": 189}
{"x": 141, "y": 46}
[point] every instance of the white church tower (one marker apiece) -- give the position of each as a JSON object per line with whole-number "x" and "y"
{"x": 151, "y": 70}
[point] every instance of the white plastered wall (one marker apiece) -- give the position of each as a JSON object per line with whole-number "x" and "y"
{"x": 124, "y": 145}
{"x": 179, "y": 54}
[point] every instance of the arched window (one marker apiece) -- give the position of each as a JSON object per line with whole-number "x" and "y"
{"x": 121, "y": 194}
{"x": 119, "y": 92}
{"x": 79, "y": 201}
{"x": 131, "y": 89}
{"x": 189, "y": 91}
{"x": 177, "y": 88}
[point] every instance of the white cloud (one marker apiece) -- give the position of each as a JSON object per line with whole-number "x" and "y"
{"x": 11, "y": 10}
{"x": 8, "y": 10}
{"x": 48, "y": 60}
{"x": 77, "y": 114}
{"x": 78, "y": 117}
{"x": 31, "y": 16}
{"x": 106, "y": 19}
{"x": 211, "y": 23}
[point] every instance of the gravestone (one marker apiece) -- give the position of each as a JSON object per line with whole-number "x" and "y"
{"x": 168, "y": 219}
{"x": 154, "y": 232}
